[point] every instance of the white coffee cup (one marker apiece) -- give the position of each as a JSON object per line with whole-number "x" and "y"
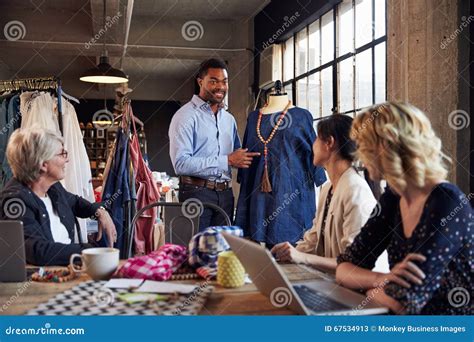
{"x": 98, "y": 263}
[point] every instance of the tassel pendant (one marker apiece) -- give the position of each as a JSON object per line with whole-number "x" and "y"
{"x": 266, "y": 185}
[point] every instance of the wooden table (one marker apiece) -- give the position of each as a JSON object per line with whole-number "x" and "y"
{"x": 18, "y": 298}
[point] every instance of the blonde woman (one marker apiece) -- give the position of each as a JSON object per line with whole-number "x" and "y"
{"x": 425, "y": 223}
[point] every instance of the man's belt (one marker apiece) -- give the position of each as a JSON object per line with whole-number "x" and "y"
{"x": 204, "y": 183}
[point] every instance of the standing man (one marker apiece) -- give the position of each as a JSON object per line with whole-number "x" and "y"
{"x": 204, "y": 145}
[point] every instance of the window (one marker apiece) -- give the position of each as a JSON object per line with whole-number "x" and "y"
{"x": 327, "y": 37}
{"x": 301, "y": 52}
{"x": 314, "y": 45}
{"x": 288, "y": 60}
{"x": 338, "y": 62}
{"x": 314, "y": 94}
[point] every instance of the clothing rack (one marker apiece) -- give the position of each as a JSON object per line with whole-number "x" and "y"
{"x": 37, "y": 83}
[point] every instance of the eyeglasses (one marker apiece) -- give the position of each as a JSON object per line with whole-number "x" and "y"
{"x": 63, "y": 154}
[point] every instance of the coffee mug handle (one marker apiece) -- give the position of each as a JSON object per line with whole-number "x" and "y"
{"x": 71, "y": 263}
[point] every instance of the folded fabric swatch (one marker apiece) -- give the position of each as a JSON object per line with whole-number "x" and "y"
{"x": 158, "y": 265}
{"x": 205, "y": 247}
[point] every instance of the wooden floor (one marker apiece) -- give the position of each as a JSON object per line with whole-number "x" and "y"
{"x": 18, "y": 298}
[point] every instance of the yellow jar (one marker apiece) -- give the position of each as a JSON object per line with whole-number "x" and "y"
{"x": 230, "y": 272}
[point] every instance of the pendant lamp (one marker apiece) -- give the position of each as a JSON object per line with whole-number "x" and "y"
{"x": 103, "y": 72}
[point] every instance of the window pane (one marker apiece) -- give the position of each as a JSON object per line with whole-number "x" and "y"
{"x": 289, "y": 90}
{"x": 326, "y": 80}
{"x": 346, "y": 27}
{"x": 288, "y": 60}
{"x": 363, "y": 12}
{"x": 346, "y": 85}
{"x": 364, "y": 79}
{"x": 314, "y": 45}
{"x": 301, "y": 52}
{"x": 327, "y": 36}
{"x": 314, "y": 93}
{"x": 380, "y": 72}
{"x": 379, "y": 18}
{"x": 277, "y": 67}
{"x": 302, "y": 93}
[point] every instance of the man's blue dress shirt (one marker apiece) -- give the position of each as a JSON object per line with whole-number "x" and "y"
{"x": 200, "y": 141}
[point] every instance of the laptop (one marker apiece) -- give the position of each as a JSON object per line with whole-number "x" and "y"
{"x": 315, "y": 297}
{"x": 12, "y": 252}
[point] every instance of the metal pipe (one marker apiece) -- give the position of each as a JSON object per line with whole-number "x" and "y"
{"x": 46, "y": 42}
{"x": 127, "y": 30}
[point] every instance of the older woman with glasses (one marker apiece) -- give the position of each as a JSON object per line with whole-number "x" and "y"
{"x": 36, "y": 197}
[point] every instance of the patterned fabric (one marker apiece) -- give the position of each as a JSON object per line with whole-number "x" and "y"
{"x": 206, "y": 246}
{"x": 92, "y": 298}
{"x": 207, "y": 272}
{"x": 158, "y": 265}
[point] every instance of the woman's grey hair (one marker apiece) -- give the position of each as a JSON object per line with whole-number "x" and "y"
{"x": 28, "y": 149}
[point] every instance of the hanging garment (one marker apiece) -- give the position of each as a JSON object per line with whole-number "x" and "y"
{"x": 116, "y": 195}
{"x": 285, "y": 213}
{"x": 13, "y": 121}
{"x": 78, "y": 177}
{"x": 3, "y": 136}
{"x": 147, "y": 193}
{"x": 38, "y": 110}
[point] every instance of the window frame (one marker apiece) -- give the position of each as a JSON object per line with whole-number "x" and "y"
{"x": 334, "y": 63}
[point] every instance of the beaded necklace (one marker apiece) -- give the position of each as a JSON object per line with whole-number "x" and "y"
{"x": 266, "y": 185}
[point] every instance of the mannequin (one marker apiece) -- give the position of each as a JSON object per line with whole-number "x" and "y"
{"x": 276, "y": 101}
{"x": 277, "y": 197}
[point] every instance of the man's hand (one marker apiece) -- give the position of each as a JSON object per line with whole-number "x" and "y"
{"x": 241, "y": 158}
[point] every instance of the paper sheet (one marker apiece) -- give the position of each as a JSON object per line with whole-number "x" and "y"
{"x": 165, "y": 287}
{"x": 123, "y": 283}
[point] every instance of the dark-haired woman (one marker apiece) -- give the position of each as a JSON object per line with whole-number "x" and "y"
{"x": 345, "y": 202}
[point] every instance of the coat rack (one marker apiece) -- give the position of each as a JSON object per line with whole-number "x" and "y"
{"x": 36, "y": 83}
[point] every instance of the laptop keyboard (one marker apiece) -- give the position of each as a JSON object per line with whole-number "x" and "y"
{"x": 317, "y": 301}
